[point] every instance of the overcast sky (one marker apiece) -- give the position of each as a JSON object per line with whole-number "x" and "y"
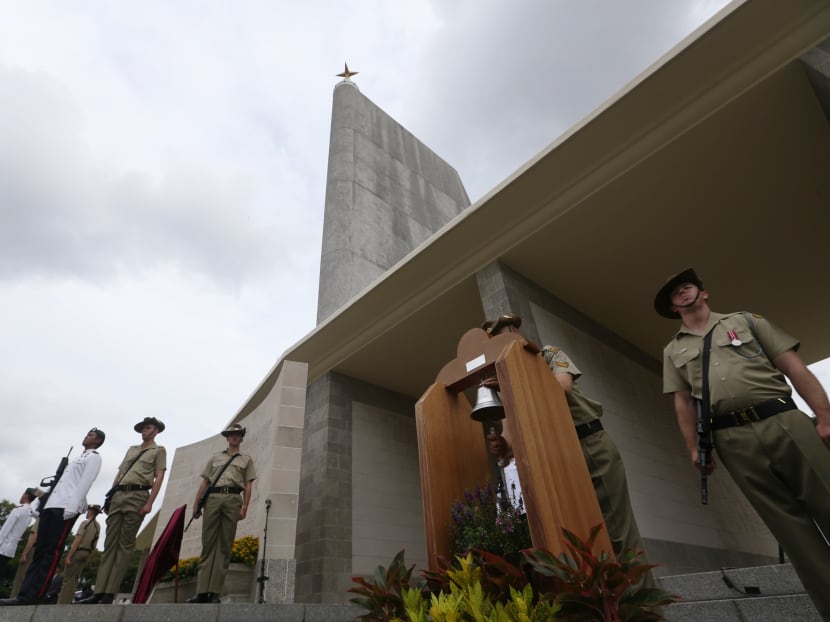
{"x": 163, "y": 168}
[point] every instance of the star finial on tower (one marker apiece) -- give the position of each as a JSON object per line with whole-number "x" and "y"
{"x": 347, "y": 74}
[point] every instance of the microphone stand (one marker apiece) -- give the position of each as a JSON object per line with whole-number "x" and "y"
{"x": 262, "y": 578}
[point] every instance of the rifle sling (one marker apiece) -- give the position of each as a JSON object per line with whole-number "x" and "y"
{"x": 705, "y": 401}
{"x": 132, "y": 464}
{"x": 203, "y": 500}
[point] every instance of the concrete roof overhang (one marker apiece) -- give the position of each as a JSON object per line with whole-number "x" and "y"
{"x": 717, "y": 157}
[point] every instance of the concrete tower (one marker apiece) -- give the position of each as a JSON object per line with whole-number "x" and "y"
{"x": 386, "y": 193}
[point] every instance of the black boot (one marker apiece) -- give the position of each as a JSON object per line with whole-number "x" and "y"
{"x": 213, "y": 597}
{"x": 97, "y": 599}
{"x": 204, "y": 597}
{"x": 17, "y": 601}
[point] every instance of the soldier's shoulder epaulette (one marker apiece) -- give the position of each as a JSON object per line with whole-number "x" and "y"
{"x": 551, "y": 349}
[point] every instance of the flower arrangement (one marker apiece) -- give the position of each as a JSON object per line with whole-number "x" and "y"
{"x": 484, "y": 521}
{"x": 187, "y": 567}
{"x": 245, "y": 550}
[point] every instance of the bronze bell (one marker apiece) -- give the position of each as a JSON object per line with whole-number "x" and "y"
{"x": 488, "y": 405}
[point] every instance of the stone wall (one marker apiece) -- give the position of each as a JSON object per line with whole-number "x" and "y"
{"x": 274, "y": 440}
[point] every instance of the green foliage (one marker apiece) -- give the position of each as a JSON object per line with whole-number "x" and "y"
{"x": 6, "y": 507}
{"x": 187, "y": 567}
{"x": 467, "y": 600}
{"x": 382, "y": 594}
{"x": 481, "y": 521}
{"x": 596, "y": 587}
{"x": 577, "y": 586}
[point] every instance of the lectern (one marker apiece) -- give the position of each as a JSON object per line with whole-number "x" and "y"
{"x": 556, "y": 486}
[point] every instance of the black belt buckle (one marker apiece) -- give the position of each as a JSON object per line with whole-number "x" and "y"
{"x": 745, "y": 415}
{"x": 227, "y": 490}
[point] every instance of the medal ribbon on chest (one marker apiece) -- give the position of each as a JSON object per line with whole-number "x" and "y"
{"x": 733, "y": 338}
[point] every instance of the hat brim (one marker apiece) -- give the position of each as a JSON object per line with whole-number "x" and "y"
{"x": 507, "y": 319}
{"x": 227, "y": 433}
{"x": 153, "y": 421}
{"x": 662, "y": 301}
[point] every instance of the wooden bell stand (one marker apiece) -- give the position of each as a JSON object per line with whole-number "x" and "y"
{"x": 556, "y": 486}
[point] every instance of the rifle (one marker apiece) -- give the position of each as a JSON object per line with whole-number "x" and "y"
{"x": 51, "y": 482}
{"x": 200, "y": 505}
{"x": 704, "y": 451}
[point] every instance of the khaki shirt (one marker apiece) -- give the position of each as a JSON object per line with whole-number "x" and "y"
{"x": 739, "y": 375}
{"x": 88, "y": 534}
{"x": 240, "y": 471}
{"x": 583, "y": 409}
{"x": 143, "y": 472}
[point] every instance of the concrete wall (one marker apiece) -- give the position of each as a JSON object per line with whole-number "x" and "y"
{"x": 346, "y": 421}
{"x": 386, "y": 193}
{"x": 681, "y": 534}
{"x": 387, "y": 513}
{"x": 274, "y": 441}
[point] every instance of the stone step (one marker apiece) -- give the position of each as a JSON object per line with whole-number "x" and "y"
{"x": 789, "y": 608}
{"x": 231, "y": 612}
{"x": 772, "y": 594}
{"x": 775, "y": 580}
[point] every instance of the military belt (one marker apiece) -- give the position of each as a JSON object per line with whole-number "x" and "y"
{"x": 226, "y": 490}
{"x": 756, "y": 412}
{"x": 586, "y": 429}
{"x": 131, "y": 487}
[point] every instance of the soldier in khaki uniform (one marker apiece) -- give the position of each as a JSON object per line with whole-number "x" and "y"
{"x": 601, "y": 454}
{"x": 225, "y": 476}
{"x": 25, "y": 555}
{"x": 136, "y": 486}
{"x": 79, "y": 553}
{"x": 776, "y": 454}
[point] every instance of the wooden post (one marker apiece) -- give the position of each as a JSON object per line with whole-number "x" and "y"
{"x": 556, "y": 485}
{"x": 453, "y": 458}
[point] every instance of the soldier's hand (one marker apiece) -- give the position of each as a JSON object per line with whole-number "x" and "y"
{"x": 497, "y": 445}
{"x": 823, "y": 431}
{"x": 68, "y": 560}
{"x": 696, "y": 461}
{"x": 197, "y": 514}
{"x": 243, "y": 512}
{"x": 146, "y": 508}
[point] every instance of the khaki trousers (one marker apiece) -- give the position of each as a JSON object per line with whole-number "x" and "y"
{"x": 218, "y": 530}
{"x": 123, "y": 522}
{"x": 70, "y": 577}
{"x": 608, "y": 476}
{"x": 783, "y": 468}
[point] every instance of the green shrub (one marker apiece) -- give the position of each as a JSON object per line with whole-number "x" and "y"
{"x": 577, "y": 586}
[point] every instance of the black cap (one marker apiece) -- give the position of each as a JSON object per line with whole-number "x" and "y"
{"x": 100, "y": 434}
{"x": 662, "y": 301}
